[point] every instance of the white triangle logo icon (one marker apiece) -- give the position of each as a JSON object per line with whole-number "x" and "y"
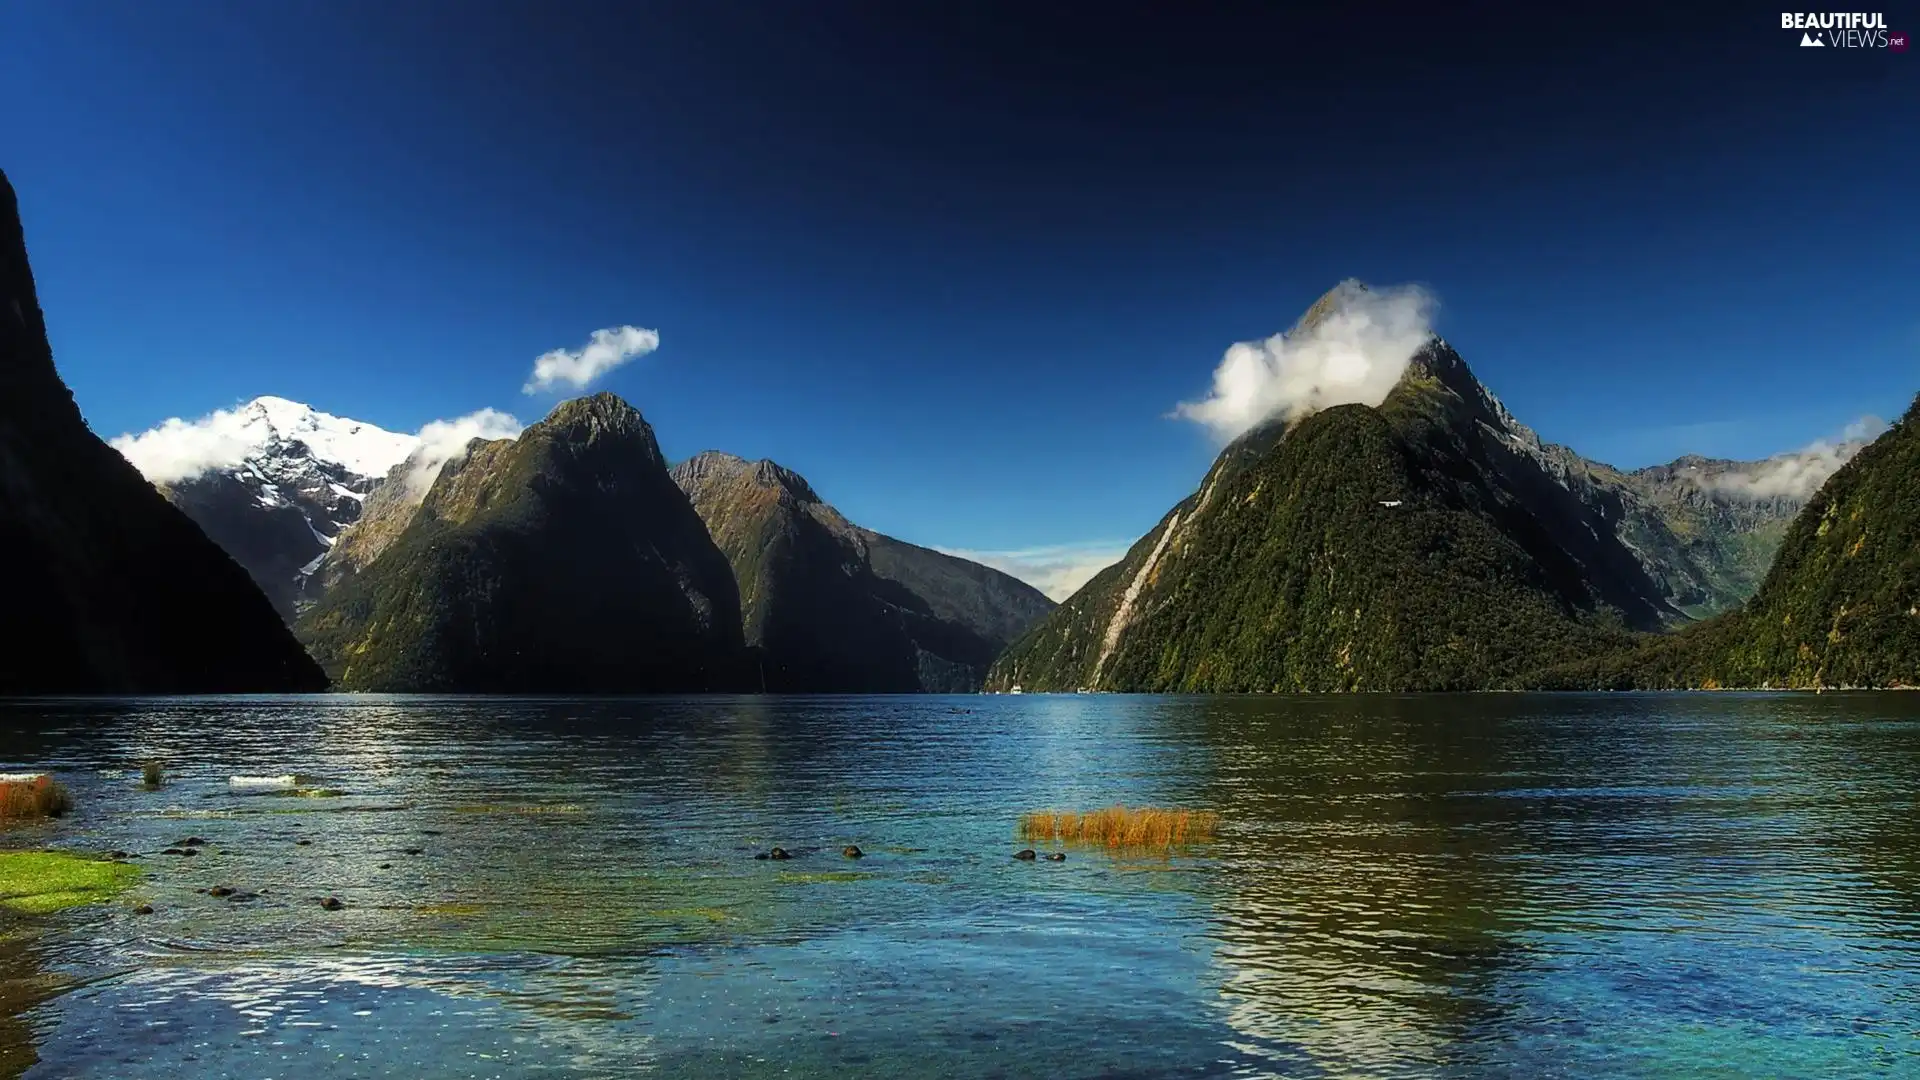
{"x": 1808, "y": 39}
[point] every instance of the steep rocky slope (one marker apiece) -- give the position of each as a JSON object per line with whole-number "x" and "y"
{"x": 833, "y": 607}
{"x": 109, "y": 588}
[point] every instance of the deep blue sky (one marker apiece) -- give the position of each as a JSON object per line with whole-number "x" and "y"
{"x": 956, "y": 262}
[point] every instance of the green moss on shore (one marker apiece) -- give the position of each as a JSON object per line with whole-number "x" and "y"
{"x": 38, "y": 882}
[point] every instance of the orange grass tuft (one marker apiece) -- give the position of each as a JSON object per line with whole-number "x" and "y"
{"x": 1120, "y": 826}
{"x": 40, "y": 797}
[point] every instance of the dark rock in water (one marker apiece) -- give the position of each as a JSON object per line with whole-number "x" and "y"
{"x": 413, "y": 851}
{"x": 1055, "y": 856}
{"x": 303, "y": 843}
{"x": 220, "y": 890}
{"x": 143, "y": 909}
{"x": 386, "y": 866}
{"x": 431, "y": 832}
{"x": 121, "y": 856}
{"x": 332, "y": 904}
{"x": 109, "y": 588}
{"x": 1025, "y": 854}
{"x": 852, "y": 851}
{"x": 177, "y": 851}
{"x": 242, "y": 897}
{"x": 778, "y": 853}
{"x": 191, "y": 841}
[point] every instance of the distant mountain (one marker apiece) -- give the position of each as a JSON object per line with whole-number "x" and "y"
{"x": 834, "y": 607}
{"x": 296, "y": 479}
{"x": 1839, "y": 608}
{"x": 566, "y": 560}
{"x": 109, "y": 589}
{"x": 1727, "y": 517}
{"x": 1433, "y": 542}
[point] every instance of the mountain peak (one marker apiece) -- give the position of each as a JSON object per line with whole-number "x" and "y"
{"x": 1334, "y": 299}
{"x": 597, "y": 412}
{"x": 264, "y": 430}
{"x": 765, "y": 473}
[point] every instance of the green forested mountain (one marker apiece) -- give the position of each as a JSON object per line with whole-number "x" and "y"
{"x": 1413, "y": 546}
{"x": 566, "y": 560}
{"x": 1840, "y": 606}
{"x": 830, "y": 606}
{"x": 107, "y": 588}
{"x": 1431, "y": 542}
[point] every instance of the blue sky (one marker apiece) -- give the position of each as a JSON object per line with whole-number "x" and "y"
{"x": 957, "y": 264}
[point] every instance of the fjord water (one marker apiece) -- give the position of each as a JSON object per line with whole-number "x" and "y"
{"x": 1461, "y": 886}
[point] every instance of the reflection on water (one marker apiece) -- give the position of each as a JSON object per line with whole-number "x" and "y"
{"x": 1452, "y": 886}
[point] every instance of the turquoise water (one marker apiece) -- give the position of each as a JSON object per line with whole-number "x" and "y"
{"x": 1483, "y": 886}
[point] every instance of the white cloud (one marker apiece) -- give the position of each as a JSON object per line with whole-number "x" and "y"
{"x": 446, "y": 440}
{"x": 606, "y": 350}
{"x": 178, "y": 449}
{"x": 1351, "y": 348}
{"x": 1800, "y": 473}
{"x": 1058, "y": 570}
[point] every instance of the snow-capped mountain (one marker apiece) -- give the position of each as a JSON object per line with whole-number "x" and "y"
{"x": 273, "y": 481}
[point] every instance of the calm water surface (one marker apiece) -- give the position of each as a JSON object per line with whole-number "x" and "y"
{"x": 1501, "y": 886}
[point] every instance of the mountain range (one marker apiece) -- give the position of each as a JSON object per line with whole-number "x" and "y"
{"x": 1429, "y": 542}
{"x": 109, "y": 588}
{"x": 565, "y": 560}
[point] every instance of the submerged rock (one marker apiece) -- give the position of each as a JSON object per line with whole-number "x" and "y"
{"x": 220, "y": 891}
{"x": 191, "y": 841}
{"x": 1025, "y": 855}
{"x": 1055, "y": 856}
{"x": 303, "y": 843}
{"x": 332, "y": 903}
{"x": 852, "y": 851}
{"x": 143, "y": 909}
{"x": 776, "y": 853}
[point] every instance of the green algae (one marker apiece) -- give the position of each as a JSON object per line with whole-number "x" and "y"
{"x": 39, "y": 882}
{"x": 456, "y": 910}
{"x": 792, "y": 878}
{"x": 521, "y": 809}
{"x": 702, "y": 914}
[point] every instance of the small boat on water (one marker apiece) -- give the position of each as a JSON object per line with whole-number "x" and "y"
{"x": 1016, "y": 689}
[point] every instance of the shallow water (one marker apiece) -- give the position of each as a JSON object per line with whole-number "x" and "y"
{"x": 1483, "y": 886}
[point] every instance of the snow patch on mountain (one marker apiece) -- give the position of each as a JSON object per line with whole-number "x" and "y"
{"x": 264, "y": 430}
